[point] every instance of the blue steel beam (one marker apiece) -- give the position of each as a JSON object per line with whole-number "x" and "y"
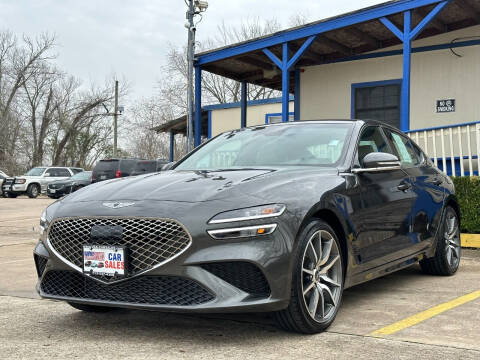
{"x": 314, "y": 29}
{"x": 273, "y": 57}
{"x": 392, "y": 27}
{"x": 285, "y": 83}
{"x": 198, "y": 107}
{"x": 296, "y": 114}
{"x": 172, "y": 145}
{"x": 427, "y": 19}
{"x": 407, "y": 58}
{"x": 243, "y": 104}
{"x": 300, "y": 51}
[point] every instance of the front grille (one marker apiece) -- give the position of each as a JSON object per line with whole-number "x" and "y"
{"x": 149, "y": 241}
{"x": 40, "y": 264}
{"x": 8, "y": 181}
{"x": 243, "y": 275}
{"x": 153, "y": 290}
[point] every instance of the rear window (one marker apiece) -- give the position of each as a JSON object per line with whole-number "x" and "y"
{"x": 104, "y": 165}
{"x": 127, "y": 166}
{"x": 143, "y": 167}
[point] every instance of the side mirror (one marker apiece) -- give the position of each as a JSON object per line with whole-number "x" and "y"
{"x": 46, "y": 175}
{"x": 378, "y": 162}
{"x": 168, "y": 166}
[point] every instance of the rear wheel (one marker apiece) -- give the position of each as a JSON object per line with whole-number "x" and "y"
{"x": 33, "y": 191}
{"x": 90, "y": 308}
{"x": 448, "y": 252}
{"x": 317, "y": 282}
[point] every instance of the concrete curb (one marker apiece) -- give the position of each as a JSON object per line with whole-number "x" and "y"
{"x": 470, "y": 240}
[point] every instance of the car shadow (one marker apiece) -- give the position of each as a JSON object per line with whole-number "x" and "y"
{"x": 208, "y": 328}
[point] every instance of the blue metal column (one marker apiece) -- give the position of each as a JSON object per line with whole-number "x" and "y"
{"x": 285, "y": 84}
{"x": 407, "y": 36}
{"x": 243, "y": 104}
{"x": 407, "y": 59}
{"x": 198, "y": 107}
{"x": 296, "y": 110}
{"x": 172, "y": 145}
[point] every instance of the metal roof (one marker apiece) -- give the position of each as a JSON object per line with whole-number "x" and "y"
{"x": 179, "y": 125}
{"x": 341, "y": 37}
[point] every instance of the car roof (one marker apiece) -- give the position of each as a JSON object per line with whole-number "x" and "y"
{"x": 323, "y": 121}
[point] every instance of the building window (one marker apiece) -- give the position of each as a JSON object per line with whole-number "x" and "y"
{"x": 277, "y": 118}
{"x": 377, "y": 101}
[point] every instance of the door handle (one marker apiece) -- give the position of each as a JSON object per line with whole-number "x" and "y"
{"x": 404, "y": 186}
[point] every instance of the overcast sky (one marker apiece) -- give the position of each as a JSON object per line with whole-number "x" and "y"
{"x": 129, "y": 37}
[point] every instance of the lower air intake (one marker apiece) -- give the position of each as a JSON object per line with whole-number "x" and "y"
{"x": 243, "y": 275}
{"x": 152, "y": 290}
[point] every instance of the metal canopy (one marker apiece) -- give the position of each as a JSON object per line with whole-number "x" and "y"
{"x": 336, "y": 39}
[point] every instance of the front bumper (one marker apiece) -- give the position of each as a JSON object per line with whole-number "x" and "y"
{"x": 19, "y": 188}
{"x": 56, "y": 192}
{"x": 225, "y": 276}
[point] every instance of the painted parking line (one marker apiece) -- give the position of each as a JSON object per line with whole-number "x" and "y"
{"x": 425, "y": 315}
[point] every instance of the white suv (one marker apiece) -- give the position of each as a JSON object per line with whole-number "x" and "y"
{"x": 36, "y": 180}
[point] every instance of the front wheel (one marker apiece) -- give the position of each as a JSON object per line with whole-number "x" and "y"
{"x": 317, "y": 281}
{"x": 448, "y": 252}
{"x": 33, "y": 191}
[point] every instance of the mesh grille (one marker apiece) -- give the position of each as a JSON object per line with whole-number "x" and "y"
{"x": 243, "y": 275}
{"x": 40, "y": 264}
{"x": 149, "y": 241}
{"x": 154, "y": 290}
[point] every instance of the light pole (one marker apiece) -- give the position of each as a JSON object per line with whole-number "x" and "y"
{"x": 195, "y": 7}
{"x": 117, "y": 110}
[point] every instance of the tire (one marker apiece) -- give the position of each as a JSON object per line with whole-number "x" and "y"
{"x": 448, "y": 251}
{"x": 313, "y": 282}
{"x": 33, "y": 191}
{"x": 90, "y": 308}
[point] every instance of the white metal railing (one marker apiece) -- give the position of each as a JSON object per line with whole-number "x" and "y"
{"x": 454, "y": 148}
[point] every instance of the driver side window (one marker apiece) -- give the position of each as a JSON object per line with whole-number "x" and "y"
{"x": 371, "y": 140}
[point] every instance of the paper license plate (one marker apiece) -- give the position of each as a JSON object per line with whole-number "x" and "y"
{"x": 52, "y": 191}
{"x": 104, "y": 260}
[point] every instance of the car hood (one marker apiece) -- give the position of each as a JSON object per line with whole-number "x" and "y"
{"x": 62, "y": 182}
{"x": 195, "y": 186}
{"x": 28, "y": 177}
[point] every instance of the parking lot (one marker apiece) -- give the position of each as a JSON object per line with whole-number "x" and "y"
{"x": 402, "y": 316}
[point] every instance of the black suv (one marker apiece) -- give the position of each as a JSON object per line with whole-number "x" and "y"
{"x": 148, "y": 166}
{"x": 113, "y": 168}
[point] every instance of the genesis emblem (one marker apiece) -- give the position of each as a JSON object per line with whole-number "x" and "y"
{"x": 117, "y": 205}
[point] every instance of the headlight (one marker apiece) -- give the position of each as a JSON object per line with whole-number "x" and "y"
{"x": 242, "y": 232}
{"x": 44, "y": 222}
{"x": 20, "y": 181}
{"x": 253, "y": 213}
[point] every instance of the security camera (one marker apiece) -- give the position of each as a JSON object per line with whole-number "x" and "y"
{"x": 201, "y": 5}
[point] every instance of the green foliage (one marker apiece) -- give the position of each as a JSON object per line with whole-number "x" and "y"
{"x": 468, "y": 193}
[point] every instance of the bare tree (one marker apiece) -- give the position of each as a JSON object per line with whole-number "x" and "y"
{"x": 19, "y": 62}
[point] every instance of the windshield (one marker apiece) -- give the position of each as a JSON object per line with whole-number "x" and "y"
{"x": 85, "y": 175}
{"x": 285, "y": 145}
{"x": 36, "y": 171}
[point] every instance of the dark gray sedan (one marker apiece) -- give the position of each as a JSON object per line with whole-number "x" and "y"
{"x": 278, "y": 218}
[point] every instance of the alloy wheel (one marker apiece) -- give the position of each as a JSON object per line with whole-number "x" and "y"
{"x": 452, "y": 237}
{"x": 321, "y": 276}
